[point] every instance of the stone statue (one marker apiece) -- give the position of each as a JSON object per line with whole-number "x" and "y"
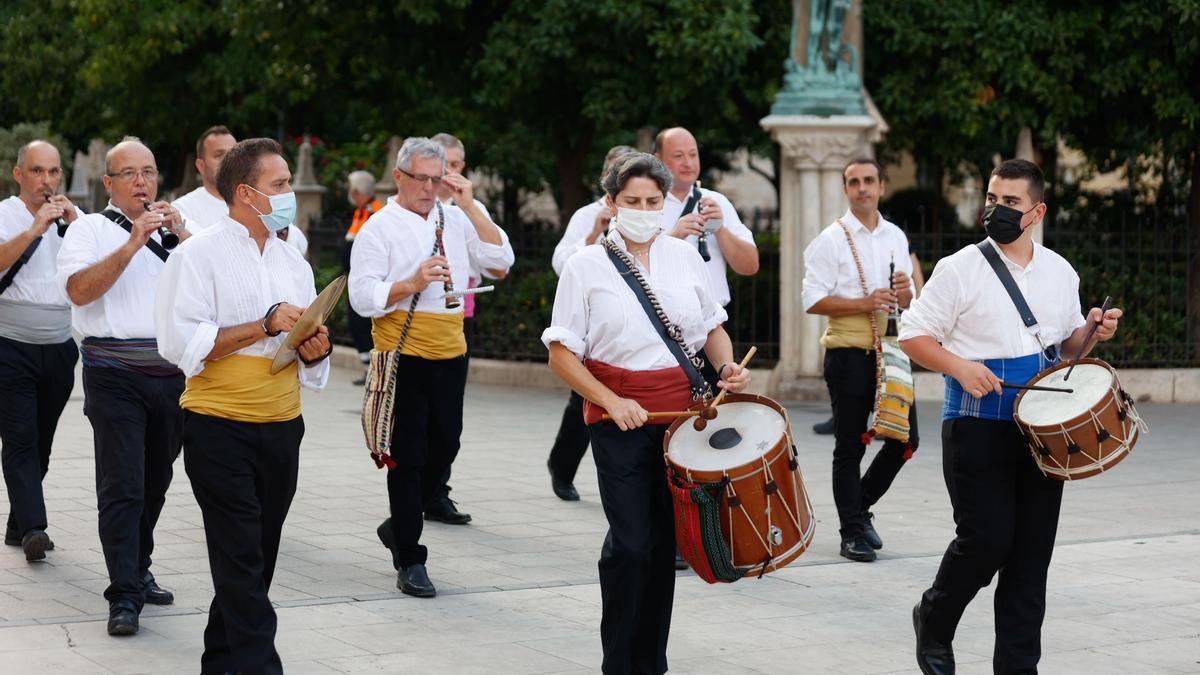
{"x": 828, "y": 82}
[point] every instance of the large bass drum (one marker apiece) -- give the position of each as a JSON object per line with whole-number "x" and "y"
{"x": 740, "y": 503}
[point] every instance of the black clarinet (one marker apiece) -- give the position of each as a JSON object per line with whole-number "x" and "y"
{"x": 892, "y": 329}
{"x": 702, "y": 243}
{"x": 59, "y": 222}
{"x": 169, "y": 239}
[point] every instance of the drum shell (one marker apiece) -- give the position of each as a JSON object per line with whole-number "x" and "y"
{"x": 1094, "y": 456}
{"x": 790, "y": 508}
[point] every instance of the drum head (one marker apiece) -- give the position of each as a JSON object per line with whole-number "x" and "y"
{"x": 1090, "y": 381}
{"x": 742, "y": 432}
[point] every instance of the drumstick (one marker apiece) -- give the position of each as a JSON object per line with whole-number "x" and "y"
{"x": 749, "y": 355}
{"x": 1035, "y": 387}
{"x": 660, "y": 415}
{"x": 710, "y": 412}
{"x": 1088, "y": 338}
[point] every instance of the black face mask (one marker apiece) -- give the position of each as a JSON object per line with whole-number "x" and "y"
{"x": 1003, "y": 223}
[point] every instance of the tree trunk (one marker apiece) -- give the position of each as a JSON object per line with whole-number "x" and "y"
{"x": 570, "y": 158}
{"x": 938, "y": 178}
{"x": 1193, "y": 215}
{"x": 510, "y": 200}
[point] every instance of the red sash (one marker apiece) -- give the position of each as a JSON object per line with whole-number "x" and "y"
{"x": 655, "y": 390}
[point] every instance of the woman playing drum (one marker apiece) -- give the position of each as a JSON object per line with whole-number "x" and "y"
{"x": 606, "y": 347}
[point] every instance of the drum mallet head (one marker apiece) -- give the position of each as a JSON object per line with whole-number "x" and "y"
{"x": 706, "y": 413}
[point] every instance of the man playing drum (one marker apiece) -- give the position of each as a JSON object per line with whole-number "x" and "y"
{"x": 606, "y": 347}
{"x": 967, "y": 326}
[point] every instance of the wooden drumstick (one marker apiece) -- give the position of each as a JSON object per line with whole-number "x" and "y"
{"x": 660, "y": 415}
{"x": 1087, "y": 339}
{"x": 1036, "y": 387}
{"x": 710, "y": 412}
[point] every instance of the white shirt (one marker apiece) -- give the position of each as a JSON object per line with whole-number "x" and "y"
{"x": 35, "y": 282}
{"x": 219, "y": 279}
{"x": 829, "y": 269}
{"x": 202, "y": 210}
{"x": 965, "y": 307}
{"x": 575, "y": 236}
{"x": 125, "y": 311}
{"x": 395, "y": 241}
{"x": 597, "y": 316}
{"x": 673, "y": 209}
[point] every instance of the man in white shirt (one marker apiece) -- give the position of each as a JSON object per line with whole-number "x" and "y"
{"x": 833, "y": 287}
{"x": 37, "y": 353}
{"x": 222, "y": 304}
{"x": 108, "y": 267}
{"x": 1005, "y": 510}
{"x": 396, "y": 280}
{"x": 586, "y": 226}
{"x": 691, "y": 212}
{"x": 203, "y": 206}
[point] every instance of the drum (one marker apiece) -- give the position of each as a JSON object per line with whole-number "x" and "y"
{"x": 740, "y": 503}
{"x": 1079, "y": 434}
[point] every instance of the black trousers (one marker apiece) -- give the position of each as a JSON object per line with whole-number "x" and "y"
{"x": 850, "y": 376}
{"x": 360, "y": 326}
{"x": 1006, "y": 517}
{"x": 429, "y": 406}
{"x": 137, "y": 427}
{"x": 35, "y": 384}
{"x": 244, "y": 477}
{"x": 637, "y": 562}
{"x": 443, "y": 488}
{"x": 572, "y": 440}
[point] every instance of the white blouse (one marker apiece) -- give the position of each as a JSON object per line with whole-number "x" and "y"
{"x": 597, "y": 316}
{"x": 829, "y": 269}
{"x": 965, "y": 307}
{"x": 217, "y": 279}
{"x": 35, "y": 282}
{"x": 395, "y": 241}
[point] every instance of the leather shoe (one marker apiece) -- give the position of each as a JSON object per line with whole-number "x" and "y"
{"x": 933, "y": 657}
{"x": 858, "y": 550}
{"x": 14, "y": 540}
{"x": 155, "y": 594}
{"x": 823, "y": 428}
{"x": 444, "y": 510}
{"x": 869, "y": 532}
{"x": 35, "y": 544}
{"x": 122, "y": 618}
{"x": 562, "y": 489}
{"x": 414, "y": 580}
{"x": 388, "y": 538}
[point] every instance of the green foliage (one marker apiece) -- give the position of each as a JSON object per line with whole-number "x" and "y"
{"x": 18, "y": 135}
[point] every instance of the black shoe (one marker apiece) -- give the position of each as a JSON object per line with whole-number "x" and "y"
{"x": 933, "y": 657}
{"x": 388, "y": 538}
{"x": 155, "y": 594}
{"x": 122, "y": 618}
{"x": 680, "y": 563}
{"x": 562, "y": 489}
{"x": 858, "y": 550}
{"x": 824, "y": 428}
{"x": 414, "y": 580}
{"x": 444, "y": 510}
{"x": 35, "y": 543}
{"x": 869, "y": 532}
{"x": 10, "y": 540}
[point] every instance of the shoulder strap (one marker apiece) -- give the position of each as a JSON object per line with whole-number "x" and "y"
{"x": 674, "y": 342}
{"x": 1010, "y": 285}
{"x": 862, "y": 279}
{"x": 691, "y": 202}
{"x": 118, "y": 218}
{"x": 11, "y": 274}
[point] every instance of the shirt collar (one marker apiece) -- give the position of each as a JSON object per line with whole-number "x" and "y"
{"x": 1032, "y": 259}
{"x": 856, "y": 225}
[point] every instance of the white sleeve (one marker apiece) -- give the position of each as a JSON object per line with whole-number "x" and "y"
{"x": 732, "y": 221}
{"x": 936, "y": 311}
{"x": 714, "y": 314}
{"x": 80, "y": 250}
{"x": 298, "y": 239}
{"x": 574, "y": 238}
{"x": 317, "y": 376}
{"x": 485, "y": 256}
{"x": 185, "y": 313}
{"x": 369, "y": 285}
{"x": 820, "y": 270}
{"x": 569, "y": 319}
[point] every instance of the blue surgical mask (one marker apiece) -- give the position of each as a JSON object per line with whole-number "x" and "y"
{"x": 283, "y": 210}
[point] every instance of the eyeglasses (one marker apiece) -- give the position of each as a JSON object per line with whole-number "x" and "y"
{"x": 129, "y": 174}
{"x": 421, "y": 178}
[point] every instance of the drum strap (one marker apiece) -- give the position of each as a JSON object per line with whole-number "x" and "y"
{"x": 1014, "y": 292}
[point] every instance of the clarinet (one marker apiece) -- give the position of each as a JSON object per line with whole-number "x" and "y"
{"x": 892, "y": 329}
{"x": 169, "y": 239}
{"x": 59, "y": 222}
{"x": 702, "y": 244}
{"x": 452, "y": 301}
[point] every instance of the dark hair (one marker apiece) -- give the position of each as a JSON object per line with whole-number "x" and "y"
{"x": 241, "y": 164}
{"x": 216, "y": 130}
{"x": 1023, "y": 168}
{"x": 636, "y": 165}
{"x": 862, "y": 160}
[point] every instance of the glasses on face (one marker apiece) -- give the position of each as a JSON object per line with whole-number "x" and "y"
{"x": 421, "y": 178}
{"x": 129, "y": 174}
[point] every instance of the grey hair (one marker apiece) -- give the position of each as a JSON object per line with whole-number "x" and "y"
{"x": 636, "y": 165}
{"x": 419, "y": 146}
{"x": 108, "y": 155}
{"x": 21, "y": 150}
{"x": 617, "y": 151}
{"x": 361, "y": 182}
{"x": 448, "y": 141}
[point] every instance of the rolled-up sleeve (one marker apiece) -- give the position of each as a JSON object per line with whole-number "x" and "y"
{"x": 368, "y": 282}
{"x": 714, "y": 314}
{"x": 80, "y": 250}
{"x": 485, "y": 256}
{"x": 935, "y": 311}
{"x": 569, "y": 319}
{"x": 820, "y": 271}
{"x": 732, "y": 221}
{"x": 317, "y": 376}
{"x": 185, "y": 313}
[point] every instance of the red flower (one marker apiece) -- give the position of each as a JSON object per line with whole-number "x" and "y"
{"x": 358, "y": 164}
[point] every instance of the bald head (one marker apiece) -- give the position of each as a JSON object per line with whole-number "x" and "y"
{"x": 39, "y": 149}
{"x": 131, "y": 175}
{"x": 38, "y": 171}
{"x": 677, "y": 148}
{"x": 127, "y": 145}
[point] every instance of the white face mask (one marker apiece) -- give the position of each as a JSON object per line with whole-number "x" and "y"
{"x": 638, "y": 226}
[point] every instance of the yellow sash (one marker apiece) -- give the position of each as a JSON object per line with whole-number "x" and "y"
{"x": 241, "y": 388}
{"x": 431, "y": 336}
{"x": 852, "y": 331}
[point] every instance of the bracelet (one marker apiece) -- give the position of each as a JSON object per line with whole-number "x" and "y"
{"x": 721, "y": 370}
{"x": 318, "y": 359}
{"x": 267, "y": 319}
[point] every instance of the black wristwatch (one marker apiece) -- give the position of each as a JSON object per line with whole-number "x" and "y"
{"x": 318, "y": 359}
{"x": 267, "y": 319}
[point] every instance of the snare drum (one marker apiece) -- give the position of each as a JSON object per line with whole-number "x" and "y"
{"x": 1079, "y": 434}
{"x": 740, "y": 503}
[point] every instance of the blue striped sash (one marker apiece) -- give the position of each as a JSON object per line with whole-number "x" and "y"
{"x": 1019, "y": 370}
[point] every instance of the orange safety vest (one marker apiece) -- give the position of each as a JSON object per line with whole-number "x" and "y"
{"x": 361, "y": 215}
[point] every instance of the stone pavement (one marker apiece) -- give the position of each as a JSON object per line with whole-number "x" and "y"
{"x": 518, "y": 588}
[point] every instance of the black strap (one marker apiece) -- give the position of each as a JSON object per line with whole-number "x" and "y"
{"x": 699, "y": 384}
{"x": 1010, "y": 285}
{"x": 11, "y": 274}
{"x": 691, "y": 202}
{"x": 120, "y": 219}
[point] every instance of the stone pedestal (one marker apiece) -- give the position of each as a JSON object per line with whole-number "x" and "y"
{"x": 815, "y": 150}
{"x": 308, "y": 191}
